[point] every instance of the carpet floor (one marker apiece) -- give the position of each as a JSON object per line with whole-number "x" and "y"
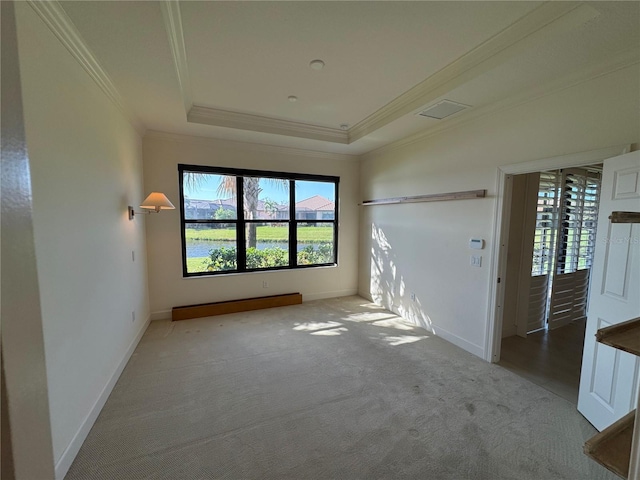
{"x": 331, "y": 389}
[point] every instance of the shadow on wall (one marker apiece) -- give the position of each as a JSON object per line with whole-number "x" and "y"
{"x": 388, "y": 287}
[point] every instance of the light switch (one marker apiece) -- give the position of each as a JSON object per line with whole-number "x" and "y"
{"x": 476, "y": 260}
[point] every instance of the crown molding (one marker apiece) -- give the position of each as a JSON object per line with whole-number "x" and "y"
{"x": 173, "y": 24}
{"x": 258, "y": 123}
{"x": 542, "y": 21}
{"x": 248, "y": 146}
{"x": 54, "y": 16}
{"x": 622, "y": 60}
{"x": 549, "y": 18}
{"x": 224, "y": 118}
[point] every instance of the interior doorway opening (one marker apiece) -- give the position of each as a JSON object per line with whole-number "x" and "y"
{"x": 549, "y": 252}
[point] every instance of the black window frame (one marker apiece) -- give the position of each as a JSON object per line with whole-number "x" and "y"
{"x": 241, "y": 222}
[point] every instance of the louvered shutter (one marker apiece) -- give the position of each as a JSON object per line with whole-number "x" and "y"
{"x": 575, "y": 243}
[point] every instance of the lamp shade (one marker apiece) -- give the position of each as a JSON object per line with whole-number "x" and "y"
{"x": 157, "y": 201}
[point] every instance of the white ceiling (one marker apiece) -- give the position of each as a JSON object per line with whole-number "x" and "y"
{"x": 233, "y": 64}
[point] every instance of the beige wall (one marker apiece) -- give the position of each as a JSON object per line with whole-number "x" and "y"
{"x": 423, "y": 247}
{"x": 86, "y": 164}
{"x": 167, "y": 287}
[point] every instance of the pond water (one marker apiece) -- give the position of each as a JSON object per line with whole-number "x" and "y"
{"x": 197, "y": 248}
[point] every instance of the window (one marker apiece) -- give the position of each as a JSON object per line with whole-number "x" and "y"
{"x": 248, "y": 220}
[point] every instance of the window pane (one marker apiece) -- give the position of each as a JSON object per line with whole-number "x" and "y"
{"x": 209, "y": 197}
{"x": 211, "y": 247}
{"x": 266, "y": 198}
{"x": 315, "y": 200}
{"x": 315, "y": 243}
{"x": 267, "y": 245}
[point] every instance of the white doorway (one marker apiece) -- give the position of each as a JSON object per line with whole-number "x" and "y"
{"x": 550, "y": 245}
{"x": 501, "y": 230}
{"x": 622, "y": 390}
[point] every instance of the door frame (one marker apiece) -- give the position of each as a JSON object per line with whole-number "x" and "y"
{"x": 493, "y": 335}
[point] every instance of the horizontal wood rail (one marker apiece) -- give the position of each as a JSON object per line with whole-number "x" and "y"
{"x": 435, "y": 197}
{"x": 234, "y": 306}
{"x": 625, "y": 217}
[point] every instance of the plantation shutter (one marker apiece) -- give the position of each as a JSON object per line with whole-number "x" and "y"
{"x": 574, "y": 246}
{"x": 544, "y": 242}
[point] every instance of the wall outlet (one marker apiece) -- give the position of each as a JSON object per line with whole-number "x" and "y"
{"x": 133, "y": 316}
{"x": 265, "y": 284}
{"x": 413, "y": 296}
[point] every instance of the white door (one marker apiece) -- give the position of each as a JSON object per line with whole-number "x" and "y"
{"x": 609, "y": 379}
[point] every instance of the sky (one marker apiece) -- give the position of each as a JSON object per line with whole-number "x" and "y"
{"x": 208, "y": 190}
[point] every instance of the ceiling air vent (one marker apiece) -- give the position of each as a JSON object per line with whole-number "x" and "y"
{"x": 442, "y": 109}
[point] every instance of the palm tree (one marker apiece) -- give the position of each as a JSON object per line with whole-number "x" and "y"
{"x": 251, "y": 187}
{"x": 271, "y": 207}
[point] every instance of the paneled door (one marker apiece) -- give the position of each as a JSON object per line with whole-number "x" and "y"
{"x": 609, "y": 378}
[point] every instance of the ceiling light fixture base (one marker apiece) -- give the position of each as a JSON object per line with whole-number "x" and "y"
{"x": 317, "y": 64}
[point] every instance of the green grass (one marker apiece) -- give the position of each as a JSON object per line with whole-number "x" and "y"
{"x": 211, "y": 235}
{"x": 265, "y": 234}
{"x": 196, "y": 264}
{"x": 312, "y": 234}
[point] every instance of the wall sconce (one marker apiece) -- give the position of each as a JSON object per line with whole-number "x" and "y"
{"x": 155, "y": 202}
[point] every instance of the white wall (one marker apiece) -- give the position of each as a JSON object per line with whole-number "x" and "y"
{"x": 25, "y": 440}
{"x": 86, "y": 164}
{"x": 167, "y": 287}
{"x": 423, "y": 247}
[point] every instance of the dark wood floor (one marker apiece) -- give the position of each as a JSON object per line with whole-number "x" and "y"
{"x": 551, "y": 359}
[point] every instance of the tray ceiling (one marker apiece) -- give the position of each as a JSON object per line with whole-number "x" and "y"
{"x": 226, "y": 69}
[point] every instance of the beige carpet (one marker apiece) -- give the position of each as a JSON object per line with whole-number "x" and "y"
{"x": 329, "y": 389}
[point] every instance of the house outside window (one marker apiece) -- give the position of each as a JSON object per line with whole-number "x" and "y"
{"x": 236, "y": 221}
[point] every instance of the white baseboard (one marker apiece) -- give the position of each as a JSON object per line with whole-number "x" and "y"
{"x": 67, "y": 457}
{"x": 459, "y": 341}
{"x": 160, "y": 315}
{"x": 308, "y": 297}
